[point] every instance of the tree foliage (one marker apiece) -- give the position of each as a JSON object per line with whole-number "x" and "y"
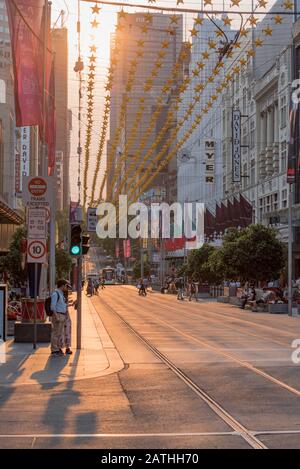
{"x": 137, "y": 269}
{"x": 11, "y": 262}
{"x": 63, "y": 263}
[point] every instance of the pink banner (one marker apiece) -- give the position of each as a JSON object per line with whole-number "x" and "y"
{"x": 51, "y": 123}
{"x": 25, "y": 23}
{"x": 126, "y": 248}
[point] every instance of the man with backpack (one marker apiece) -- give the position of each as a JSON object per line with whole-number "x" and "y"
{"x": 59, "y": 309}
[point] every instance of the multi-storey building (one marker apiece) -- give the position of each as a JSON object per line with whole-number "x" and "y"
{"x": 59, "y": 38}
{"x": 153, "y": 31}
{"x": 192, "y": 178}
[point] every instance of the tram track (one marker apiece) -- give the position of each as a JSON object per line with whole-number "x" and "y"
{"x": 228, "y": 418}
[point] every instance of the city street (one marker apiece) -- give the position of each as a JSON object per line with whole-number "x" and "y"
{"x": 204, "y": 375}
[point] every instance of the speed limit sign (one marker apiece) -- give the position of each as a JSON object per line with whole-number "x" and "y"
{"x": 36, "y": 251}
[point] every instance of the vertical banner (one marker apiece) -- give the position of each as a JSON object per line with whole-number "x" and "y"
{"x": 18, "y": 179}
{"x": 51, "y": 122}
{"x": 25, "y": 24}
{"x": 126, "y": 248}
{"x": 292, "y": 147}
{"x": 209, "y": 150}
{"x": 25, "y": 151}
{"x": 236, "y": 145}
{"x": 117, "y": 249}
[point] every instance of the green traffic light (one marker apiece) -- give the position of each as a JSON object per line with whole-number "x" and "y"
{"x": 75, "y": 250}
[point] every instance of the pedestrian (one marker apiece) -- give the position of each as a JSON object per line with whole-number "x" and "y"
{"x": 67, "y": 335}
{"x": 59, "y": 317}
{"x": 193, "y": 290}
{"x": 102, "y": 283}
{"x": 90, "y": 287}
{"x": 180, "y": 286}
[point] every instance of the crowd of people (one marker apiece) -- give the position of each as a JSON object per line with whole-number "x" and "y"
{"x": 93, "y": 286}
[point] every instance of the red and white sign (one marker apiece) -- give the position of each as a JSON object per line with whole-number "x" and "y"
{"x": 39, "y": 192}
{"x": 37, "y": 186}
{"x": 36, "y": 251}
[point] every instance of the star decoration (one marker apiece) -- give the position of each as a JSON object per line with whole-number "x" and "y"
{"x": 148, "y": 17}
{"x": 158, "y": 64}
{"x": 174, "y": 19}
{"x": 198, "y": 20}
{"x": 253, "y": 20}
{"x": 96, "y": 9}
{"x": 197, "y": 99}
{"x": 288, "y": 5}
{"x": 243, "y": 61}
{"x": 194, "y": 32}
{"x": 188, "y": 45}
{"x": 161, "y": 54}
{"x": 195, "y": 73}
{"x": 91, "y": 76}
{"x": 165, "y": 44}
{"x": 151, "y": 1}
{"x": 262, "y": 3}
{"x": 179, "y": 1}
{"x": 212, "y": 44}
{"x": 93, "y": 49}
{"x": 139, "y": 53}
{"x": 236, "y": 69}
{"x": 237, "y": 45}
{"x": 211, "y": 79}
{"x": 218, "y": 33}
{"x": 94, "y": 23}
{"x": 200, "y": 65}
{"x": 198, "y": 88}
{"x": 268, "y": 31}
{"x": 205, "y": 55}
{"x": 258, "y": 42}
{"x": 227, "y": 21}
{"x": 92, "y": 58}
{"x": 207, "y": 2}
{"x": 243, "y": 32}
{"x": 154, "y": 73}
{"x": 144, "y": 29}
{"x": 278, "y": 19}
{"x": 250, "y": 53}
{"x": 122, "y": 14}
{"x": 92, "y": 67}
{"x": 140, "y": 43}
{"x": 235, "y": 3}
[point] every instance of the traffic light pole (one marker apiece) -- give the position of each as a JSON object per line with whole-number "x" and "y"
{"x": 79, "y": 301}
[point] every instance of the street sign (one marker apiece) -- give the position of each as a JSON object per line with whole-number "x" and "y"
{"x": 209, "y": 150}
{"x": 39, "y": 192}
{"x": 36, "y": 251}
{"x": 91, "y": 219}
{"x": 36, "y": 225}
{"x": 236, "y": 146}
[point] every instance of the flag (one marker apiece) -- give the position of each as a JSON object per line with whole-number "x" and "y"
{"x": 246, "y": 211}
{"x": 126, "y": 248}
{"x": 26, "y": 24}
{"x": 50, "y": 133}
{"x": 209, "y": 224}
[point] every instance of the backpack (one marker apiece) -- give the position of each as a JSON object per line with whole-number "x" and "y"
{"x": 48, "y": 310}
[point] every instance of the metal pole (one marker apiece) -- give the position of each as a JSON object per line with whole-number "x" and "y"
{"x": 79, "y": 298}
{"x": 79, "y": 264}
{"x": 290, "y": 250}
{"x": 34, "y": 307}
{"x": 142, "y": 262}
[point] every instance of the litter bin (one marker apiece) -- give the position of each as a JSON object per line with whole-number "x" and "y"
{"x": 28, "y": 310}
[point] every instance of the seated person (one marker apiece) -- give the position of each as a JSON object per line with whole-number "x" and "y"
{"x": 249, "y": 294}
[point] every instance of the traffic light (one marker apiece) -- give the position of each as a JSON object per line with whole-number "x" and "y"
{"x": 85, "y": 244}
{"x": 75, "y": 244}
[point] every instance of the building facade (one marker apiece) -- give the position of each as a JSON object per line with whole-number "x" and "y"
{"x": 59, "y": 38}
{"x": 128, "y": 36}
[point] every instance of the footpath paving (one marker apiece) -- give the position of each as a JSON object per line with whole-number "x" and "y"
{"x": 21, "y": 365}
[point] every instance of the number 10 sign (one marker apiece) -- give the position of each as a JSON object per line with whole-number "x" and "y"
{"x": 36, "y": 251}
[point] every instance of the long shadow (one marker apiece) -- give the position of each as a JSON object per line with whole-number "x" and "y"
{"x": 58, "y": 414}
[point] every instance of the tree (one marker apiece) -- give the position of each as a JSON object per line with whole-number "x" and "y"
{"x": 11, "y": 262}
{"x": 199, "y": 267}
{"x": 63, "y": 263}
{"x": 254, "y": 254}
{"x": 137, "y": 269}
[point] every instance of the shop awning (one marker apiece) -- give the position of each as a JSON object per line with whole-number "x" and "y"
{"x": 8, "y": 215}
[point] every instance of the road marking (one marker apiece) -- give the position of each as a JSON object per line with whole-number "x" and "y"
{"x": 212, "y": 403}
{"x": 119, "y": 435}
{"x": 219, "y": 351}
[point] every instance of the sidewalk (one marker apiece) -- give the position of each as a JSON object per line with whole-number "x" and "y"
{"x": 20, "y": 364}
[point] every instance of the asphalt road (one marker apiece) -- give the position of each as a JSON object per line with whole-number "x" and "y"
{"x": 195, "y": 376}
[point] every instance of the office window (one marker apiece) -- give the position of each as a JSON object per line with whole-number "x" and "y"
{"x": 283, "y": 156}
{"x": 283, "y": 111}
